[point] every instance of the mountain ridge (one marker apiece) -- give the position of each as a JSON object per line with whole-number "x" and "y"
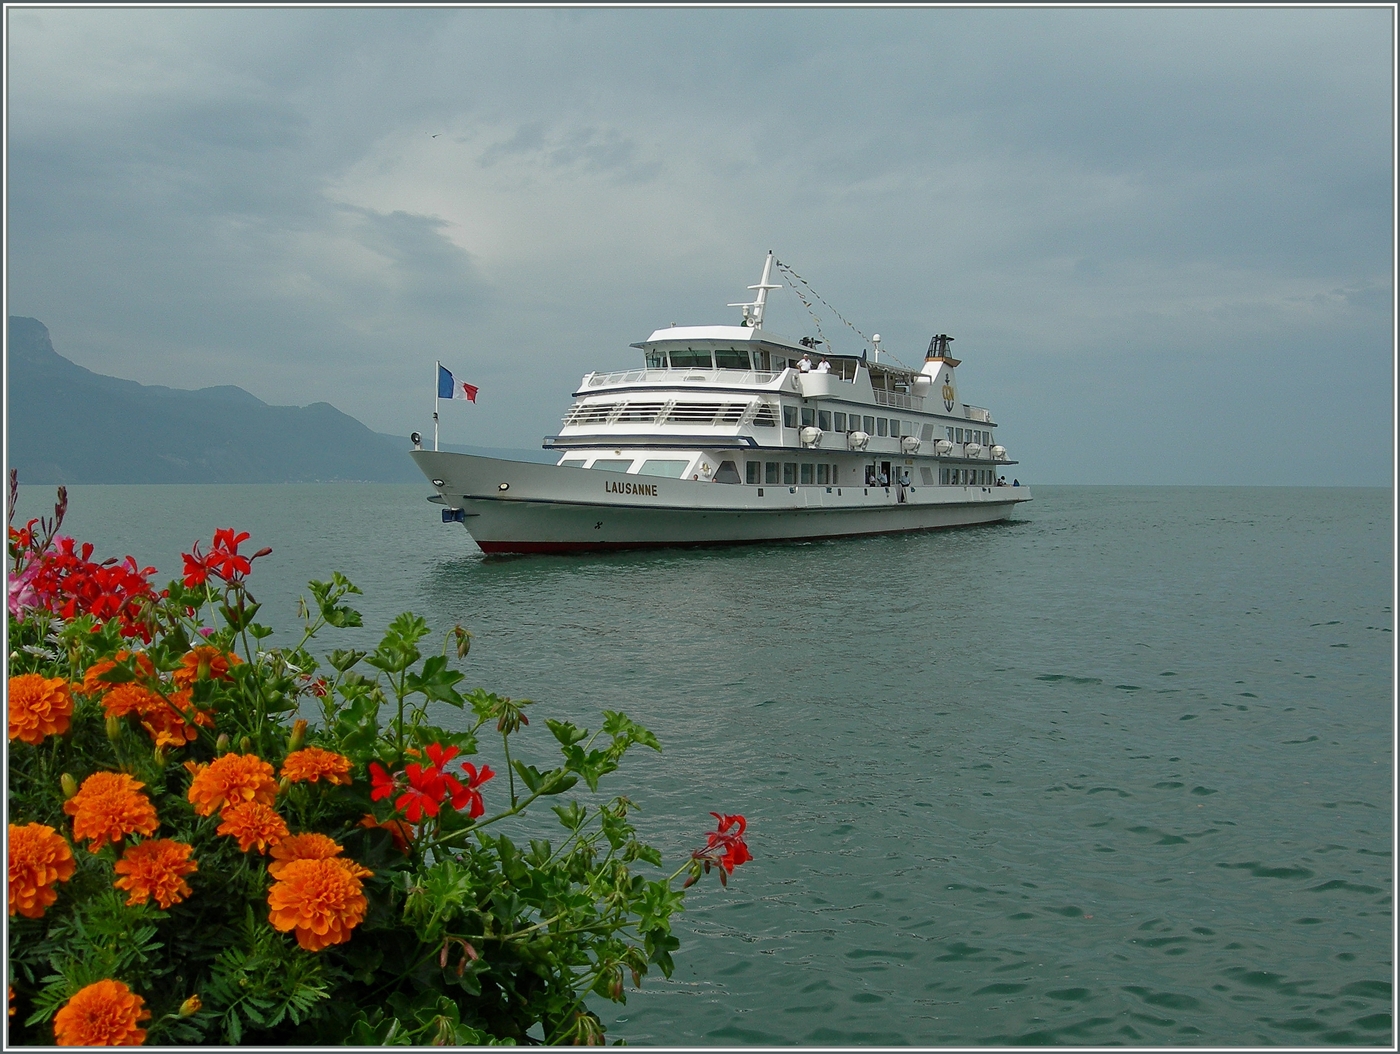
{"x": 68, "y": 424}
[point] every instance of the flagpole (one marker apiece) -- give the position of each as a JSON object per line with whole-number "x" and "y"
{"x": 436, "y": 374}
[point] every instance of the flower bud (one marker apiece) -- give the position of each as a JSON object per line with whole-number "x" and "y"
{"x": 160, "y": 756}
{"x": 191, "y": 1006}
{"x": 221, "y": 744}
{"x": 284, "y": 784}
{"x": 298, "y": 736}
{"x": 114, "y": 727}
{"x": 69, "y": 785}
{"x": 245, "y": 745}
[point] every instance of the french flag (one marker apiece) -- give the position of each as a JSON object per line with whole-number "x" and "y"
{"x": 452, "y": 389}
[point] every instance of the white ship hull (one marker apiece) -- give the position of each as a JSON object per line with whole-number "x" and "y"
{"x": 521, "y": 507}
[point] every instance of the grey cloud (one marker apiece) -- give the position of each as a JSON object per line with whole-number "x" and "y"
{"x": 1078, "y": 195}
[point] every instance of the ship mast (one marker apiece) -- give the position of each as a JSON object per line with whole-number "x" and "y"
{"x": 753, "y": 313}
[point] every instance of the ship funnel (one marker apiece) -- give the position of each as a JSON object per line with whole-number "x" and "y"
{"x": 938, "y": 347}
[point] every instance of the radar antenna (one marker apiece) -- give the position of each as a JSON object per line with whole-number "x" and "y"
{"x": 753, "y": 313}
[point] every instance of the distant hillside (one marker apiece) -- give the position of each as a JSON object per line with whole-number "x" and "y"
{"x": 67, "y": 424}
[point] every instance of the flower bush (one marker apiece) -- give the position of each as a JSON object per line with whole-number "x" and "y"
{"x": 252, "y": 876}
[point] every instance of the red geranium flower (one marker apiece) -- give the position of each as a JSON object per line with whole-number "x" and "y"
{"x": 726, "y": 846}
{"x": 422, "y": 789}
{"x": 469, "y": 795}
{"x": 381, "y": 783}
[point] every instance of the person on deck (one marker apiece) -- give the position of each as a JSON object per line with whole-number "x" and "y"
{"x": 823, "y": 366}
{"x": 805, "y": 363}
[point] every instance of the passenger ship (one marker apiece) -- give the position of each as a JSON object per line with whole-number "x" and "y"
{"x": 731, "y": 434}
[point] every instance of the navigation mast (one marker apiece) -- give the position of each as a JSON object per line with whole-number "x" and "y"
{"x": 753, "y": 313}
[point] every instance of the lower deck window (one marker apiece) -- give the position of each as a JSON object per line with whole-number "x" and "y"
{"x": 840, "y": 422}
{"x": 789, "y": 472}
{"x": 572, "y": 463}
{"x": 823, "y": 473}
{"x": 770, "y": 472}
{"x": 806, "y": 473}
{"x": 675, "y": 469}
{"x": 753, "y": 471}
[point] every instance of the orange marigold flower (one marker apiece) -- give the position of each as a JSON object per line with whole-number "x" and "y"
{"x": 399, "y": 830}
{"x": 319, "y": 899}
{"x": 156, "y": 869}
{"x": 231, "y": 780}
{"x": 172, "y": 722}
{"x": 252, "y": 821}
{"x": 205, "y": 662}
{"x": 39, "y": 706}
{"x": 104, "y": 1014}
{"x": 39, "y": 857}
{"x": 310, "y": 764}
{"x": 93, "y": 682}
{"x": 108, "y": 807}
{"x": 310, "y": 846}
{"x": 130, "y": 698}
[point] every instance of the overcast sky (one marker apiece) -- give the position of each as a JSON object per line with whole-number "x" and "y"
{"x": 1162, "y": 238}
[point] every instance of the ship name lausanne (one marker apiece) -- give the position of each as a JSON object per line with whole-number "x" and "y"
{"x": 647, "y": 490}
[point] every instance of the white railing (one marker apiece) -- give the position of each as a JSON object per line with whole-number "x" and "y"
{"x": 904, "y": 402}
{"x": 977, "y": 413}
{"x": 682, "y": 376}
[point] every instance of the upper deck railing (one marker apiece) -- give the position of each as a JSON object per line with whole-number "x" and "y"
{"x": 977, "y": 413}
{"x": 698, "y": 375}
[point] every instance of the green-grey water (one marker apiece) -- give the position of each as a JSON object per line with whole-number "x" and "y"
{"x": 1118, "y": 772}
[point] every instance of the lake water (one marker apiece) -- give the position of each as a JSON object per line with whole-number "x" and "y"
{"x": 1117, "y": 772}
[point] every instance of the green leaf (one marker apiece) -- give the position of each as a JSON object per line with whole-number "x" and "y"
{"x": 566, "y": 732}
{"x": 529, "y": 775}
{"x": 572, "y": 816}
{"x": 620, "y": 726}
{"x": 436, "y": 681}
{"x": 342, "y": 659}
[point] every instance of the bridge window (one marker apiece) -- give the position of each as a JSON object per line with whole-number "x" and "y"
{"x": 688, "y": 358}
{"x": 809, "y": 416}
{"x": 656, "y": 360}
{"x": 882, "y": 427}
{"x": 732, "y": 358}
{"x": 840, "y": 422}
{"x": 824, "y": 420}
{"x": 790, "y": 416}
{"x": 613, "y": 464}
{"x": 870, "y": 426}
